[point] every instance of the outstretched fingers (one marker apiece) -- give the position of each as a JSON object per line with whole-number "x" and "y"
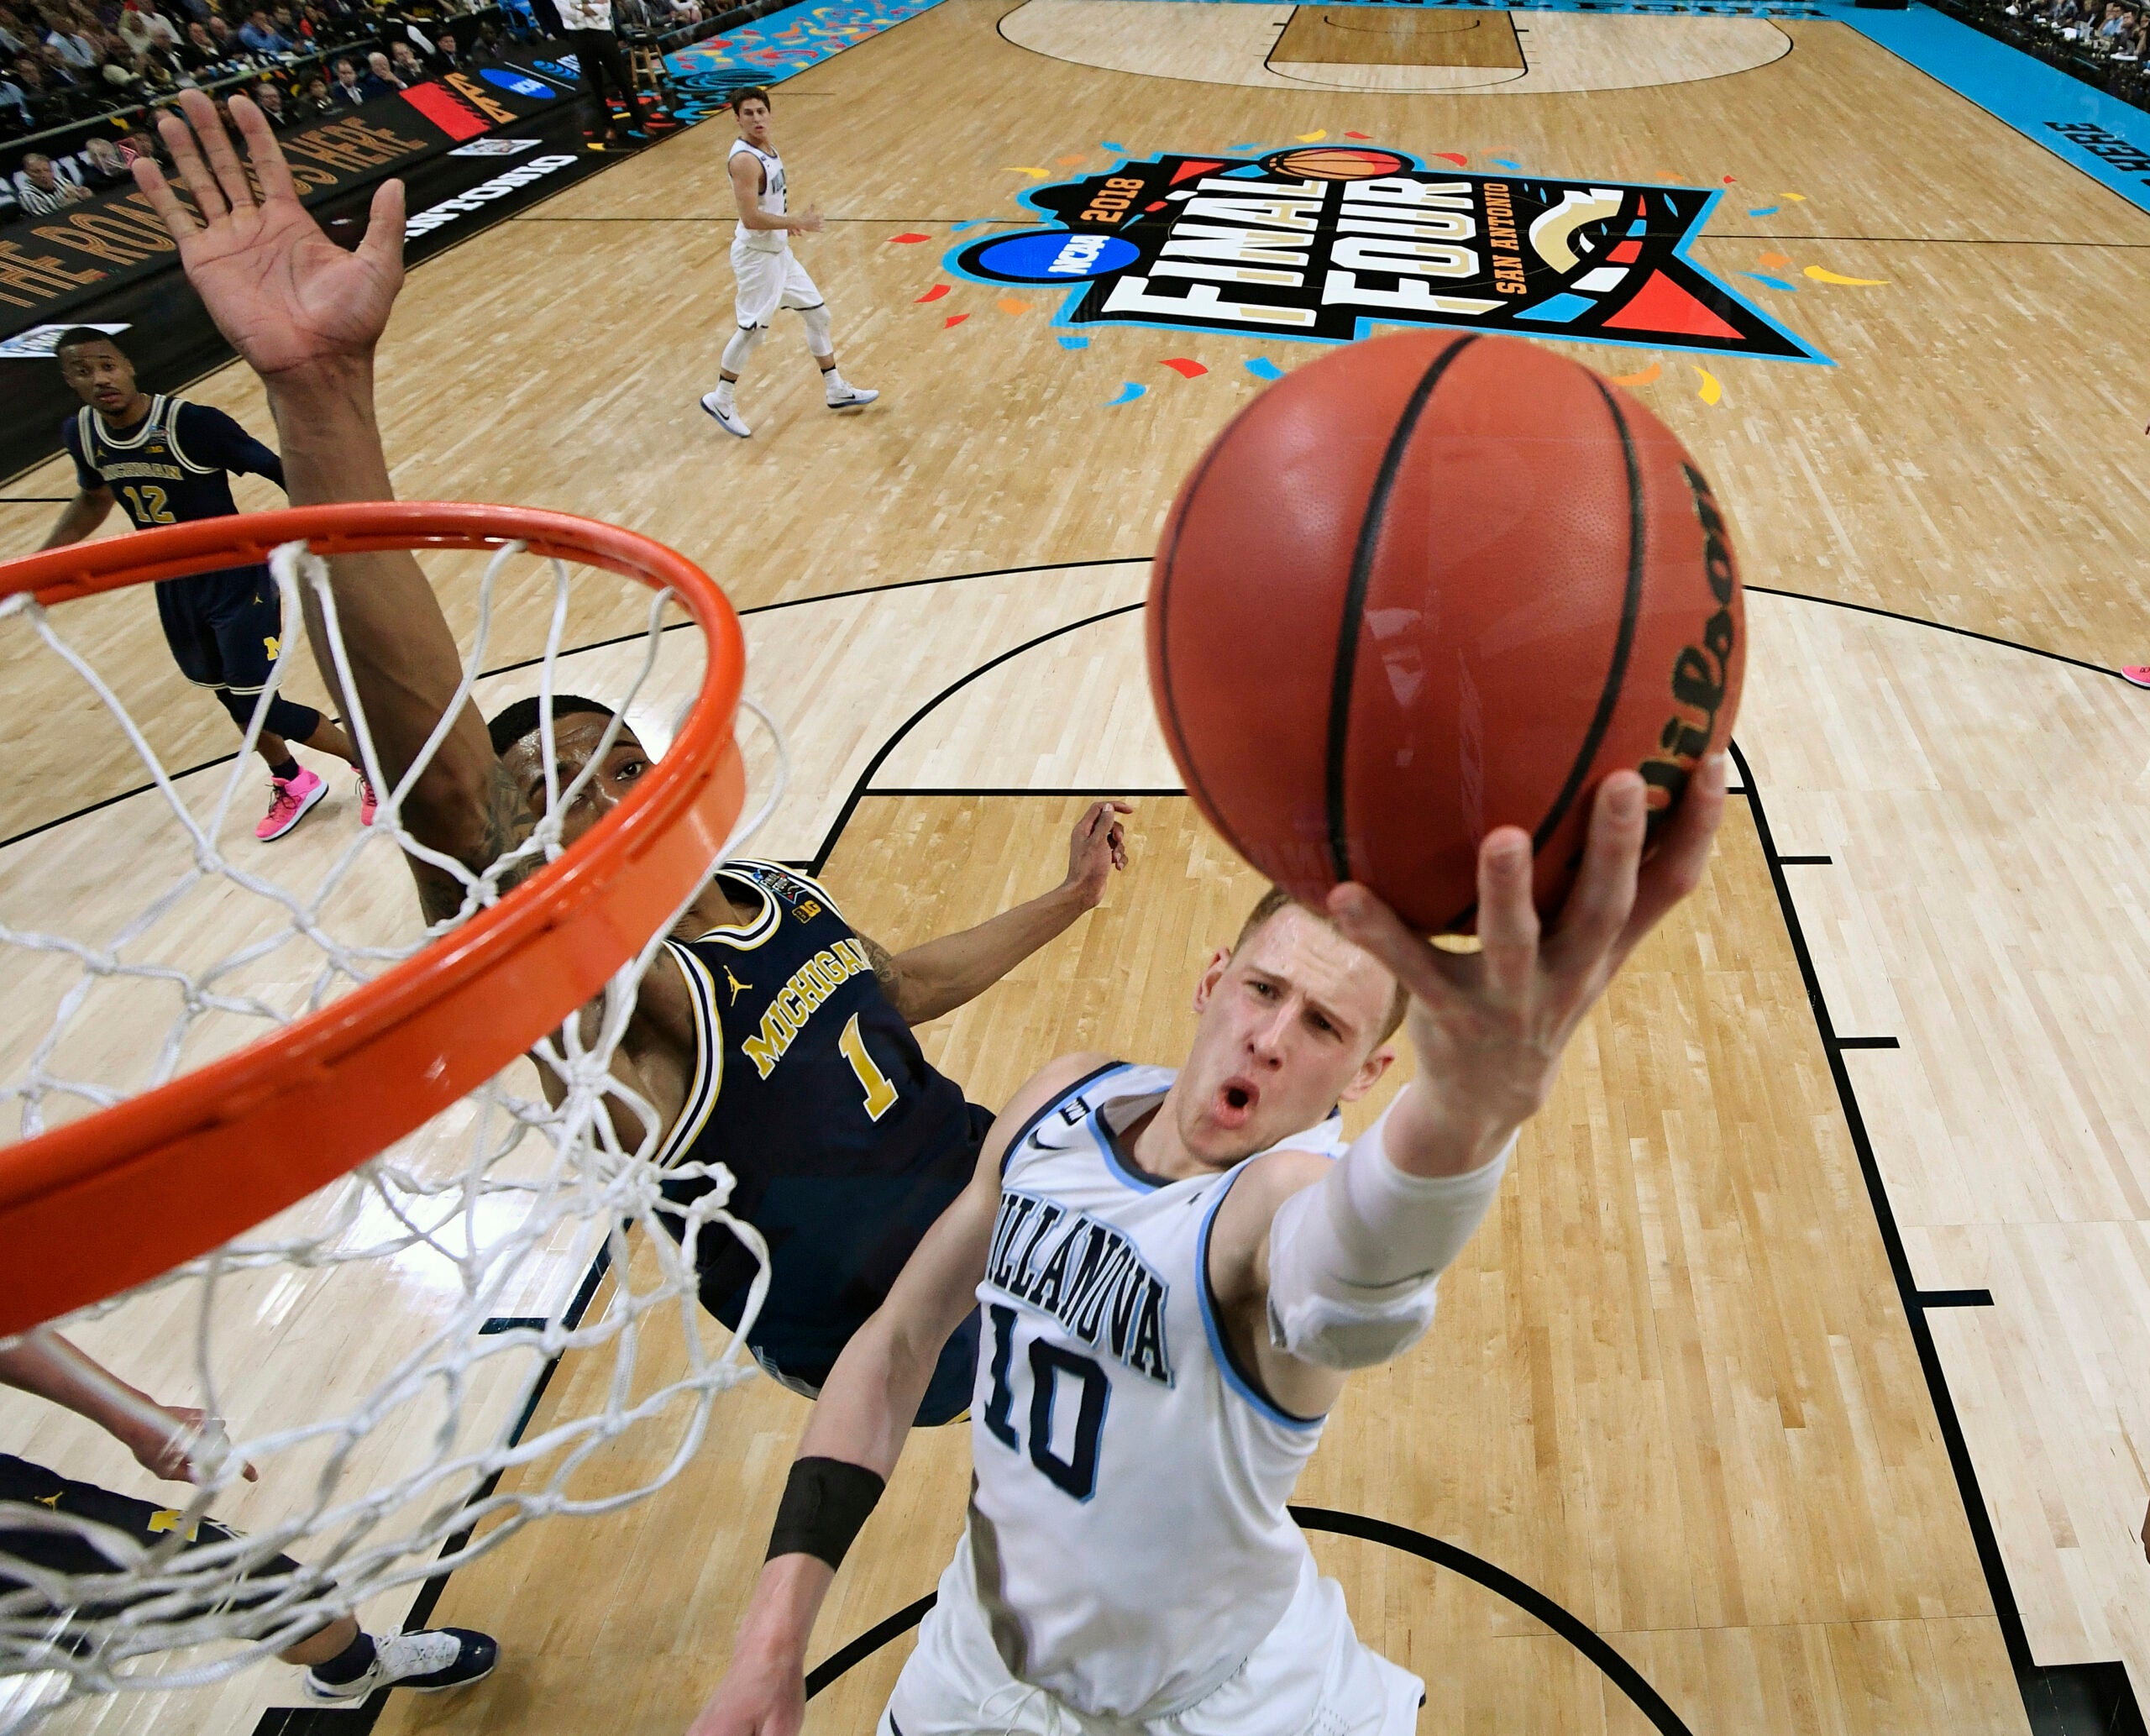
{"x": 217, "y": 146}
{"x": 186, "y": 158}
{"x": 1508, "y": 916}
{"x": 1598, "y": 908}
{"x": 1427, "y": 973}
{"x": 1682, "y": 857}
{"x": 383, "y": 245}
{"x": 178, "y": 221}
{"x": 262, "y": 150}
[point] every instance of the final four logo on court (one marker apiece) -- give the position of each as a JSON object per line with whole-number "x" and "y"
{"x": 1323, "y": 243}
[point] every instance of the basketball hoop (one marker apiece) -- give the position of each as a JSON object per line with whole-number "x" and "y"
{"x": 138, "y": 1201}
{"x": 184, "y": 1163}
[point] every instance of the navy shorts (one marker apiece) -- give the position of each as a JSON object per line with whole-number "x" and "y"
{"x": 225, "y": 629}
{"x": 67, "y": 1551}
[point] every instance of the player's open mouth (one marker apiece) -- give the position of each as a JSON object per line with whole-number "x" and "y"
{"x": 1235, "y": 1102}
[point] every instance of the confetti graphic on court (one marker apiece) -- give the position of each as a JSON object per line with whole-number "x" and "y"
{"x": 1263, "y": 369}
{"x": 1710, "y": 392}
{"x": 1184, "y": 366}
{"x": 1652, "y": 372}
{"x": 1128, "y": 393}
{"x": 935, "y": 293}
{"x": 1820, "y": 276}
{"x": 778, "y": 47}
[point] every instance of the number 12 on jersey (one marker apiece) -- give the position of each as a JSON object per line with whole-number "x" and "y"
{"x": 1059, "y": 1377}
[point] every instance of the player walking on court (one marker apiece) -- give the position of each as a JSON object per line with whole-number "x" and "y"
{"x": 170, "y": 462}
{"x": 769, "y": 276}
{"x": 769, "y": 1035}
{"x": 1172, "y": 1302}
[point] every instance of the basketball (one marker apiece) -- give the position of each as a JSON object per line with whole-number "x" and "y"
{"x": 1336, "y": 162}
{"x": 1431, "y": 584}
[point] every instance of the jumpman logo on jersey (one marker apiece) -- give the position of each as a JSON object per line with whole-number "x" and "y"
{"x": 736, "y": 987}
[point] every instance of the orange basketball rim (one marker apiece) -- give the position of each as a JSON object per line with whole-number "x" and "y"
{"x": 106, "y": 1202}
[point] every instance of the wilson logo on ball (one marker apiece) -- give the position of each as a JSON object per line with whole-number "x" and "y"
{"x": 1701, "y": 674}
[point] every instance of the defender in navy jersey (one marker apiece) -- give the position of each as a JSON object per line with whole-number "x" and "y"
{"x": 775, "y": 1039}
{"x": 165, "y": 462}
{"x": 844, "y": 1143}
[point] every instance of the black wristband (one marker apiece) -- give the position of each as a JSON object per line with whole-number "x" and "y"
{"x": 825, "y": 1502}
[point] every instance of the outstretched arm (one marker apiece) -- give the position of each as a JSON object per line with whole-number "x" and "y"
{"x": 862, "y": 1419}
{"x": 1346, "y": 1273}
{"x": 306, "y": 316}
{"x": 158, "y": 1435}
{"x": 941, "y": 975}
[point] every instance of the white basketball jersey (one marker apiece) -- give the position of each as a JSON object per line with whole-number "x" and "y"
{"x": 1128, "y": 1537}
{"x": 772, "y": 199}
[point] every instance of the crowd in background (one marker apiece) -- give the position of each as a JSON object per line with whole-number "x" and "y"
{"x": 66, "y": 61}
{"x": 2105, "y": 43}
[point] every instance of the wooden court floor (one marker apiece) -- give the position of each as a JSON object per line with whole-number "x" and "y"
{"x": 1677, "y": 1384}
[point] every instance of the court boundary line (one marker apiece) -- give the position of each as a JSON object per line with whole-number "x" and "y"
{"x": 2032, "y": 1679}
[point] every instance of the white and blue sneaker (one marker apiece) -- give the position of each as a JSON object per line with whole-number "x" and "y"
{"x": 428, "y": 1660}
{"x": 719, "y": 404}
{"x": 849, "y": 397}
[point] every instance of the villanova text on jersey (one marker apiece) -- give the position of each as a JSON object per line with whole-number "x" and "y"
{"x": 1087, "y": 1275}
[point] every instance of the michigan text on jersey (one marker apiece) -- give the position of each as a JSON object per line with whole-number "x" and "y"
{"x": 787, "y": 1013}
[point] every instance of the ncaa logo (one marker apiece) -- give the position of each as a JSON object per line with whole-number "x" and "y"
{"x": 1058, "y": 257}
{"x": 515, "y": 82}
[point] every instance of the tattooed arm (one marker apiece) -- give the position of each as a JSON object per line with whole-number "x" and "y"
{"x": 306, "y": 316}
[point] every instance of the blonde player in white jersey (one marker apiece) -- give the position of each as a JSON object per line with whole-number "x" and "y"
{"x": 1174, "y": 1289}
{"x": 770, "y": 276}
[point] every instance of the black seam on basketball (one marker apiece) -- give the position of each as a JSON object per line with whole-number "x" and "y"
{"x": 1355, "y": 600}
{"x": 1631, "y": 605}
{"x": 1182, "y": 754}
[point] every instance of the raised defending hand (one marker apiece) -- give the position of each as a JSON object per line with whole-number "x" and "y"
{"x": 280, "y": 290}
{"x": 1098, "y": 848}
{"x": 1489, "y": 1027}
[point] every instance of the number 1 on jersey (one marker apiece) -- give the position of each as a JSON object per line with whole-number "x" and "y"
{"x": 880, "y": 1095}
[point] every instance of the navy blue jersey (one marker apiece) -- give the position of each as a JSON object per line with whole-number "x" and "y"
{"x": 809, "y": 1087}
{"x": 170, "y": 468}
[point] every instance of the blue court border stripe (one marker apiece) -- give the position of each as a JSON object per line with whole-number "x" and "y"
{"x": 2018, "y": 90}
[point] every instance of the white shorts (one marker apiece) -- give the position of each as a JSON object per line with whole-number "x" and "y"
{"x": 1310, "y": 1677}
{"x": 768, "y": 282}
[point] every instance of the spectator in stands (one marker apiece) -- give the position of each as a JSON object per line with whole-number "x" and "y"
{"x": 311, "y": 103}
{"x": 41, "y": 190}
{"x": 269, "y": 98}
{"x": 103, "y": 167}
{"x": 220, "y": 32}
{"x": 15, "y": 106}
{"x": 286, "y": 26}
{"x": 449, "y": 56}
{"x": 66, "y": 38}
{"x": 633, "y": 18}
{"x": 258, "y": 36}
{"x": 199, "y": 51}
{"x": 142, "y": 27}
{"x": 47, "y": 104}
{"x": 380, "y": 79}
{"x": 404, "y": 59}
{"x": 597, "y": 52}
{"x": 347, "y": 92}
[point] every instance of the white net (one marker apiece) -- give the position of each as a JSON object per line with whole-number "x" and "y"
{"x": 372, "y": 1352}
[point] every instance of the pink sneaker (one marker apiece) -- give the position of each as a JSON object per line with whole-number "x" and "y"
{"x": 368, "y": 801}
{"x": 2138, "y": 672}
{"x": 293, "y": 796}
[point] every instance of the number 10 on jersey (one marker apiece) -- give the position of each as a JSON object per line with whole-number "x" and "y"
{"x": 1061, "y": 1380}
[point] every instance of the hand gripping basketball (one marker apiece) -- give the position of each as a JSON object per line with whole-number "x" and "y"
{"x": 1489, "y": 1027}
{"x": 281, "y": 292}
